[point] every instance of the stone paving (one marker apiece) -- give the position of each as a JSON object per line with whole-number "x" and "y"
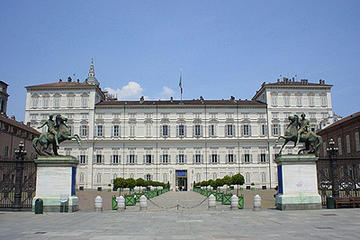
{"x": 196, "y": 223}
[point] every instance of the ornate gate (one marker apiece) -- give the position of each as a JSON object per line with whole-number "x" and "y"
{"x": 17, "y": 183}
{"x": 338, "y": 177}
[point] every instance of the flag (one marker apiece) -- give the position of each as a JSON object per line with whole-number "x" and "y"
{"x": 180, "y": 84}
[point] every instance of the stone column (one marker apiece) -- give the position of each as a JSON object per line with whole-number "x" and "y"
{"x": 55, "y": 180}
{"x": 297, "y": 179}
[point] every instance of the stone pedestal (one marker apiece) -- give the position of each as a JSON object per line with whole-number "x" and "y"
{"x": 55, "y": 183}
{"x": 297, "y": 182}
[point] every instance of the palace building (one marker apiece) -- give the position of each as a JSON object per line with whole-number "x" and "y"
{"x": 180, "y": 142}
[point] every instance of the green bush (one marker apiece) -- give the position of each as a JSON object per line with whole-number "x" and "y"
{"x": 131, "y": 183}
{"x": 237, "y": 179}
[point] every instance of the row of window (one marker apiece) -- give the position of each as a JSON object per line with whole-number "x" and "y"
{"x": 181, "y": 130}
{"x": 46, "y": 103}
{"x": 180, "y": 158}
{"x": 299, "y": 100}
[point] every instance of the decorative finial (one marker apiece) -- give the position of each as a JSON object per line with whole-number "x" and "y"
{"x": 91, "y": 75}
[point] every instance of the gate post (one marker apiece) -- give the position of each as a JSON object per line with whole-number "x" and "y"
{"x": 20, "y": 153}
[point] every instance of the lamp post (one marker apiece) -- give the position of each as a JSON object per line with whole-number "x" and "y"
{"x": 332, "y": 150}
{"x": 19, "y": 153}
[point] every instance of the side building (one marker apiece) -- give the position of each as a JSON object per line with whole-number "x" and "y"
{"x": 180, "y": 142}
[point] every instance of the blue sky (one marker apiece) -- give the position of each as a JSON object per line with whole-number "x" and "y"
{"x": 224, "y": 47}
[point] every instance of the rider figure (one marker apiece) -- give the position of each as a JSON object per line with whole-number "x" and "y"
{"x": 51, "y": 128}
{"x": 304, "y": 127}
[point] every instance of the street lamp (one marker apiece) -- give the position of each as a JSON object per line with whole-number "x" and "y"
{"x": 332, "y": 150}
{"x": 20, "y": 154}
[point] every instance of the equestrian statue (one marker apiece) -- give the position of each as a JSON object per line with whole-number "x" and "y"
{"x": 299, "y": 131}
{"x": 57, "y": 132}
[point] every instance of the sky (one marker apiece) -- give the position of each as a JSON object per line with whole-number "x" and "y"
{"x": 224, "y": 48}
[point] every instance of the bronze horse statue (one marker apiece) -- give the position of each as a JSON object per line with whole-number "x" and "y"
{"x": 312, "y": 140}
{"x": 48, "y": 139}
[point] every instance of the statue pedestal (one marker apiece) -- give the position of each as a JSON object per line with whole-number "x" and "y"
{"x": 55, "y": 183}
{"x": 297, "y": 182}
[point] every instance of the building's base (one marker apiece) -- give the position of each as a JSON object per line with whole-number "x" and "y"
{"x": 53, "y": 204}
{"x": 298, "y": 202}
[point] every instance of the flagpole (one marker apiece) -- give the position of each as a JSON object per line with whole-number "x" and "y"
{"x": 180, "y": 85}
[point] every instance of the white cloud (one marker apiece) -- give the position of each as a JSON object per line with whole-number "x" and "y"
{"x": 166, "y": 93}
{"x": 131, "y": 91}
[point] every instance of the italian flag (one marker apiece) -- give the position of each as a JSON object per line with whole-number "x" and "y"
{"x": 180, "y": 84}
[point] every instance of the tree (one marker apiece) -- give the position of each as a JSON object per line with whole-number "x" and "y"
{"x": 119, "y": 183}
{"x": 140, "y": 182}
{"x": 227, "y": 180}
{"x": 237, "y": 179}
{"x": 130, "y": 182}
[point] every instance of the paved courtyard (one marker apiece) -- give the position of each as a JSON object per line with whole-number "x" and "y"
{"x": 185, "y": 223}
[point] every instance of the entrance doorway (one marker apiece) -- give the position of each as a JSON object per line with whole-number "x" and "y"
{"x": 181, "y": 180}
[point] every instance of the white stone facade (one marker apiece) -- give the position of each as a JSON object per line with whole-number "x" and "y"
{"x": 153, "y": 139}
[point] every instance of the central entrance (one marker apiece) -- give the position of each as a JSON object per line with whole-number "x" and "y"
{"x": 181, "y": 180}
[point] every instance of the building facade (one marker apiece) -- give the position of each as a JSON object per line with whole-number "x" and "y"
{"x": 180, "y": 142}
{"x": 13, "y": 132}
{"x": 345, "y": 133}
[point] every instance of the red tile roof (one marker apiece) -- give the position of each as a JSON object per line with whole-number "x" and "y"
{"x": 61, "y": 84}
{"x": 6, "y": 119}
{"x": 184, "y": 102}
{"x": 342, "y": 121}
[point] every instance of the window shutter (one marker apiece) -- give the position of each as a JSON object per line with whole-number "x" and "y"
{"x": 226, "y": 158}
{"x": 111, "y": 159}
{"x": 202, "y": 158}
{"x": 242, "y": 158}
{"x": 135, "y": 158}
{"x": 161, "y": 128}
{"x": 152, "y": 159}
{"x": 193, "y": 128}
{"x": 119, "y": 156}
{"x": 112, "y": 131}
{"x": 242, "y": 130}
{"x": 169, "y": 157}
{"x": 209, "y": 160}
{"x": 177, "y": 130}
{"x": 218, "y": 158}
{"x": 225, "y": 132}
{"x": 127, "y": 158}
{"x": 95, "y": 127}
{"x": 234, "y": 132}
{"x": 193, "y": 158}
{"x": 201, "y": 130}
{"x": 143, "y": 158}
{"x": 234, "y": 157}
{"x": 177, "y": 158}
{"x": 94, "y": 159}
{"x": 251, "y": 158}
{"x": 184, "y": 130}
{"x": 209, "y": 130}
{"x": 185, "y": 158}
{"x": 168, "y": 127}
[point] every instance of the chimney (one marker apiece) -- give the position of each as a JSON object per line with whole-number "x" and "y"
{"x": 28, "y": 124}
{"x": 142, "y": 100}
{"x": 78, "y": 80}
{"x": 13, "y": 117}
{"x": 69, "y": 79}
{"x": 171, "y": 99}
{"x": 321, "y": 81}
{"x": 304, "y": 81}
{"x": 60, "y": 80}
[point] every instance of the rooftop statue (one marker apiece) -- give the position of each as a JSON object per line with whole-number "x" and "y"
{"x": 299, "y": 131}
{"x": 58, "y": 132}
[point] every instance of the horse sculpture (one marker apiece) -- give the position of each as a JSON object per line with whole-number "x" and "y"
{"x": 309, "y": 138}
{"x": 48, "y": 139}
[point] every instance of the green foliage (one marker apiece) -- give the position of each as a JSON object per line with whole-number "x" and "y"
{"x": 237, "y": 179}
{"x": 131, "y": 183}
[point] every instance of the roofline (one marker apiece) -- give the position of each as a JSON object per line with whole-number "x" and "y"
{"x": 340, "y": 122}
{"x": 85, "y": 86}
{"x": 4, "y": 83}
{"x": 274, "y": 85}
